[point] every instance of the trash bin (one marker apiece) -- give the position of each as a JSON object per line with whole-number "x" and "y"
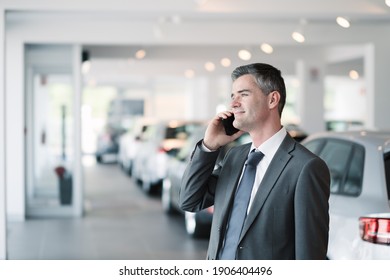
{"x": 65, "y": 185}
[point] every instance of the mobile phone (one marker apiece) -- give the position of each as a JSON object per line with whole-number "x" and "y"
{"x": 228, "y": 125}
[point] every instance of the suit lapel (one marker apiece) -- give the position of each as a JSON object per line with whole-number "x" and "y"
{"x": 275, "y": 169}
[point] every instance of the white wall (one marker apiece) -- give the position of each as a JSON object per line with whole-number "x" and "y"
{"x": 3, "y": 231}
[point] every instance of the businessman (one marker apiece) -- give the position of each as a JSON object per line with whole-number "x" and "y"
{"x": 270, "y": 196}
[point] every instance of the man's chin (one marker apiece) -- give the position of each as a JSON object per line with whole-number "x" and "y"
{"x": 238, "y": 125}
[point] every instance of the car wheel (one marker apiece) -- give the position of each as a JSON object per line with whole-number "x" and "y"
{"x": 193, "y": 227}
{"x": 146, "y": 186}
{"x": 99, "y": 159}
{"x": 129, "y": 170}
{"x": 166, "y": 199}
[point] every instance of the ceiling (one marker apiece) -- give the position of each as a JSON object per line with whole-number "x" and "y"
{"x": 185, "y": 34}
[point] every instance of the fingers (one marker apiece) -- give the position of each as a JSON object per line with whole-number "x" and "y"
{"x": 215, "y": 135}
{"x": 224, "y": 114}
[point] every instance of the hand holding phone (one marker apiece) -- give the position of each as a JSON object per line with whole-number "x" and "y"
{"x": 228, "y": 125}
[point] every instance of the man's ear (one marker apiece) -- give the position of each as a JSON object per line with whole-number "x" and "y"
{"x": 273, "y": 99}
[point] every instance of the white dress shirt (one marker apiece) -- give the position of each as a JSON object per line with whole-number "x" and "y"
{"x": 268, "y": 148}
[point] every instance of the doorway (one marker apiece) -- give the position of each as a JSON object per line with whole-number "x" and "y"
{"x": 52, "y": 137}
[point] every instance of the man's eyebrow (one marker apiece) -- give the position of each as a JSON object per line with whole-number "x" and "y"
{"x": 240, "y": 91}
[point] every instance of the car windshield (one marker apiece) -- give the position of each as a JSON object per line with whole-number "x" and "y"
{"x": 180, "y": 132}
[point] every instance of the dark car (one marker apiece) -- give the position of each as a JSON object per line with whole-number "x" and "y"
{"x": 108, "y": 142}
{"x": 120, "y": 113}
{"x": 197, "y": 224}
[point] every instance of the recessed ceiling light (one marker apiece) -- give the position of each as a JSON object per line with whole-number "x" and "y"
{"x": 343, "y": 22}
{"x": 267, "y": 48}
{"x": 226, "y": 62}
{"x": 244, "y": 54}
{"x": 388, "y": 2}
{"x": 140, "y": 54}
{"x": 209, "y": 66}
{"x": 354, "y": 75}
{"x": 298, "y": 36}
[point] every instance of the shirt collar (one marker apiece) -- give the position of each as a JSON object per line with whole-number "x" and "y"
{"x": 269, "y": 147}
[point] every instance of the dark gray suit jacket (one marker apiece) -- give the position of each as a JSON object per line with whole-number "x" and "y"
{"x": 289, "y": 216}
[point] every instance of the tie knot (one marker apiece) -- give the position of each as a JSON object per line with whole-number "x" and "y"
{"x": 254, "y": 158}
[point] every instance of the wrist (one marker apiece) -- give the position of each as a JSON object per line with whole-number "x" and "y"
{"x": 208, "y": 147}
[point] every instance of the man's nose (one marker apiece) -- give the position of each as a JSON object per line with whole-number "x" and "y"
{"x": 235, "y": 102}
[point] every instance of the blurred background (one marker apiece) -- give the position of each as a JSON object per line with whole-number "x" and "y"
{"x": 89, "y": 86}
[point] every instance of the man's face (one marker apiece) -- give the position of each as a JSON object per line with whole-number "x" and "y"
{"x": 249, "y": 104}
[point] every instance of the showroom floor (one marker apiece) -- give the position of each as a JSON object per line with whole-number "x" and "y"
{"x": 121, "y": 222}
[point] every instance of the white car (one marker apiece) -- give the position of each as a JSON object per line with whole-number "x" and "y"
{"x": 359, "y": 204}
{"x": 163, "y": 140}
{"x": 130, "y": 142}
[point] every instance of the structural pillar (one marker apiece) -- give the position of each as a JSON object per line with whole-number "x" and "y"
{"x": 310, "y": 105}
{"x": 376, "y": 69}
{"x": 3, "y": 224}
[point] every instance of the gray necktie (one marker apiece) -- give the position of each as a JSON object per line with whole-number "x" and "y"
{"x": 240, "y": 207}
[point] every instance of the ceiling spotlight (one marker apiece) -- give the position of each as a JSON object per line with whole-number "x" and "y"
{"x": 343, "y": 22}
{"x": 354, "y": 75}
{"x": 226, "y": 62}
{"x": 244, "y": 54}
{"x": 298, "y": 36}
{"x": 209, "y": 66}
{"x": 267, "y": 48}
{"x": 140, "y": 54}
{"x": 388, "y": 2}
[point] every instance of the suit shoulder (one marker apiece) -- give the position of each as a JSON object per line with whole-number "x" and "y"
{"x": 297, "y": 148}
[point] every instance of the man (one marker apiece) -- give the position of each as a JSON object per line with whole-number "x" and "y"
{"x": 287, "y": 213}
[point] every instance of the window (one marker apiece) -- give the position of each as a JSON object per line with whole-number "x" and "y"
{"x": 354, "y": 179}
{"x": 345, "y": 161}
{"x": 315, "y": 146}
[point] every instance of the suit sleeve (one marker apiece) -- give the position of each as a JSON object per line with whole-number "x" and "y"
{"x": 198, "y": 182}
{"x": 312, "y": 211}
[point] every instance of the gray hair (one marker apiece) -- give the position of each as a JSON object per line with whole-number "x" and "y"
{"x": 267, "y": 77}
